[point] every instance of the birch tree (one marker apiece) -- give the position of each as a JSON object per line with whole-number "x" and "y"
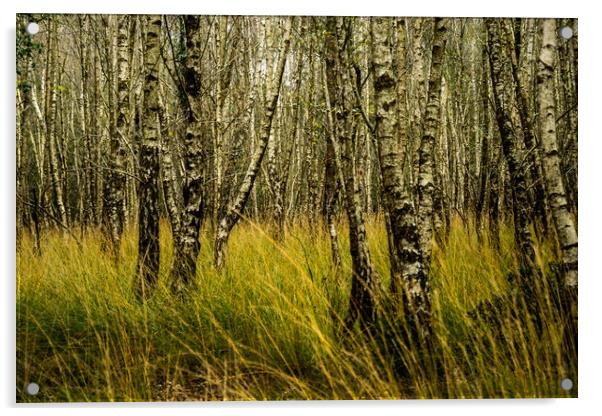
{"x": 364, "y": 283}
{"x": 563, "y": 221}
{"x": 52, "y": 90}
{"x": 148, "y": 188}
{"x": 503, "y": 101}
{"x": 115, "y": 184}
{"x": 187, "y": 240}
{"x": 409, "y": 283}
{"x": 426, "y": 184}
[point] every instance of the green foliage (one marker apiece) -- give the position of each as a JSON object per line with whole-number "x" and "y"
{"x": 266, "y": 326}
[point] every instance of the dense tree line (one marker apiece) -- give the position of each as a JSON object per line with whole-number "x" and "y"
{"x": 210, "y": 120}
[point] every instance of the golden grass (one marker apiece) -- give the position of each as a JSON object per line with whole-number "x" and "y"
{"x": 265, "y": 328}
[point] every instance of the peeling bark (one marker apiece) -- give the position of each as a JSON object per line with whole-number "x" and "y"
{"x": 148, "y": 188}
{"x": 115, "y": 183}
{"x": 409, "y": 282}
{"x": 187, "y": 244}
{"x": 362, "y": 302}
{"x": 565, "y": 226}
{"x": 426, "y": 185}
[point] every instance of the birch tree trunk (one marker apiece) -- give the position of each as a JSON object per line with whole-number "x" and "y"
{"x": 362, "y": 302}
{"x": 409, "y": 283}
{"x": 502, "y": 101}
{"x": 115, "y": 183}
{"x": 311, "y": 148}
{"x": 330, "y": 199}
{"x": 236, "y": 207}
{"x": 426, "y": 186}
{"x": 168, "y": 173}
{"x": 275, "y": 181}
{"x": 419, "y": 93}
{"x": 222, "y": 70}
{"x": 23, "y": 129}
{"x": 187, "y": 244}
{"x": 332, "y": 175}
{"x": 485, "y": 158}
{"x": 565, "y": 226}
{"x": 148, "y": 188}
{"x": 51, "y": 128}
{"x": 557, "y": 198}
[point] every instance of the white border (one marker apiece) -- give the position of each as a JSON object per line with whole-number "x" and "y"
{"x": 590, "y": 231}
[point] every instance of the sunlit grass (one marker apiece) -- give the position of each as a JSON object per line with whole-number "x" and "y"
{"x": 265, "y": 327}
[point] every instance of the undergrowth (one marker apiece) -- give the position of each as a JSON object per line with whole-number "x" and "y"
{"x": 265, "y": 327}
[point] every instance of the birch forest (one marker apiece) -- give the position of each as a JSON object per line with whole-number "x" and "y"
{"x": 275, "y": 208}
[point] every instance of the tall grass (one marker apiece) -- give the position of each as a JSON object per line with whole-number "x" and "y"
{"x": 265, "y": 328}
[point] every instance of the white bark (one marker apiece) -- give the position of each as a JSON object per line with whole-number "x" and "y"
{"x": 563, "y": 221}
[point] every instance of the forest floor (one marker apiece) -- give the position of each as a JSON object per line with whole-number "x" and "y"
{"x": 265, "y": 328}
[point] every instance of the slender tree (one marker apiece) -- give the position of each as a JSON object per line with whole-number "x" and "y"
{"x": 170, "y": 186}
{"x": 409, "y": 283}
{"x": 426, "y": 186}
{"x": 331, "y": 175}
{"x": 115, "y": 184}
{"x": 362, "y": 302}
{"x": 148, "y": 189}
{"x": 502, "y": 101}
{"x": 187, "y": 240}
{"x": 485, "y": 167}
{"x": 563, "y": 221}
{"x": 52, "y": 91}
